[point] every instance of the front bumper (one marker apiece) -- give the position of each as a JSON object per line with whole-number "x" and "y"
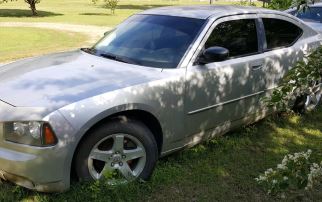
{"x": 42, "y": 172}
{"x": 45, "y": 169}
{"x": 49, "y": 187}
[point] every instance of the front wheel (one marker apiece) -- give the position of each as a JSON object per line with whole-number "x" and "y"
{"x": 118, "y": 152}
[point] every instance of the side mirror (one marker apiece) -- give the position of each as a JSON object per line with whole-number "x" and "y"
{"x": 214, "y": 54}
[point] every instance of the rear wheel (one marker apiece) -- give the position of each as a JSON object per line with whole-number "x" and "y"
{"x": 118, "y": 152}
{"x": 310, "y": 100}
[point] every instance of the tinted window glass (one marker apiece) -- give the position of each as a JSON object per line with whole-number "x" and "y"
{"x": 313, "y": 14}
{"x": 238, "y": 36}
{"x": 151, "y": 40}
{"x": 280, "y": 33}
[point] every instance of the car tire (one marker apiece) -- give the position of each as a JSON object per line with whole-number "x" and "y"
{"x": 134, "y": 132}
{"x": 310, "y": 101}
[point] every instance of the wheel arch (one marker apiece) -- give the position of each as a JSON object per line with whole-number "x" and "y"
{"x": 146, "y": 117}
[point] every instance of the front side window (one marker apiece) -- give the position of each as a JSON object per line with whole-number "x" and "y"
{"x": 150, "y": 40}
{"x": 280, "y": 33}
{"x": 238, "y": 36}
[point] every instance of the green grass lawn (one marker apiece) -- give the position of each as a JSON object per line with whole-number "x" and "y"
{"x": 25, "y": 42}
{"x": 222, "y": 169}
{"x": 83, "y": 11}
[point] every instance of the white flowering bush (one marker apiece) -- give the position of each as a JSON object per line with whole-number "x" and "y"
{"x": 315, "y": 175}
{"x": 295, "y": 172}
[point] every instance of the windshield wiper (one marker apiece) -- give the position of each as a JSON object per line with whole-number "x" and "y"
{"x": 117, "y": 58}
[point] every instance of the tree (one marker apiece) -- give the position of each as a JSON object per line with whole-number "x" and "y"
{"x": 32, "y": 5}
{"x": 111, "y": 4}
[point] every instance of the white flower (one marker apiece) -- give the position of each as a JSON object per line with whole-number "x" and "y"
{"x": 274, "y": 181}
{"x": 281, "y": 166}
{"x": 285, "y": 178}
{"x": 262, "y": 178}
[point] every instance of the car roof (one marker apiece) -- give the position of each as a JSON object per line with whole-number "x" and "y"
{"x": 318, "y": 4}
{"x": 207, "y": 11}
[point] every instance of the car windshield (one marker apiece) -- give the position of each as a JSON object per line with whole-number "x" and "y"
{"x": 150, "y": 40}
{"x": 312, "y": 14}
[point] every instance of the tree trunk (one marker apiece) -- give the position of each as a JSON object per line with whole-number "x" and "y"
{"x": 32, "y": 4}
{"x": 33, "y": 8}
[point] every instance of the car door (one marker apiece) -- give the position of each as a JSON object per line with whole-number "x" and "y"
{"x": 283, "y": 47}
{"x": 222, "y": 92}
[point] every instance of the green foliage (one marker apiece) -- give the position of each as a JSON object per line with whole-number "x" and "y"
{"x": 295, "y": 172}
{"x": 290, "y": 174}
{"x": 297, "y": 82}
{"x": 247, "y": 3}
{"x": 111, "y": 4}
{"x": 280, "y": 4}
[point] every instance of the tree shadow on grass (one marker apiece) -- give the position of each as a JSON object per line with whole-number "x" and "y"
{"x": 19, "y": 13}
{"x": 139, "y": 7}
{"x": 97, "y": 14}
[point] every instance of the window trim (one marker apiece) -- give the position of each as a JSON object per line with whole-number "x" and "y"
{"x": 280, "y": 47}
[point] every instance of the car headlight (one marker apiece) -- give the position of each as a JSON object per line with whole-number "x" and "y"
{"x": 34, "y": 133}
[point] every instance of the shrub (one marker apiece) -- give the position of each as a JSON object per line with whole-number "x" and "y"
{"x": 295, "y": 172}
{"x": 297, "y": 82}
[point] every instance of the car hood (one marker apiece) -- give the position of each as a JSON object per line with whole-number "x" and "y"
{"x": 59, "y": 79}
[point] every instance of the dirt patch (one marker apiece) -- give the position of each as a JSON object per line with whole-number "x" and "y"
{"x": 94, "y": 32}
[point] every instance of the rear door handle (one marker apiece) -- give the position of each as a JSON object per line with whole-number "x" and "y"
{"x": 257, "y": 66}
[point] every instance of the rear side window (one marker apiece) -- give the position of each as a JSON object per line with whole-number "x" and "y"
{"x": 238, "y": 36}
{"x": 280, "y": 33}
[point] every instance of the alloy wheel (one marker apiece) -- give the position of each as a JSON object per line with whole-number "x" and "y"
{"x": 314, "y": 96}
{"x": 119, "y": 158}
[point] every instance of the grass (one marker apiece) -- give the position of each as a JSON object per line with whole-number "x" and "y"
{"x": 25, "y": 42}
{"x": 222, "y": 169}
{"x": 83, "y": 11}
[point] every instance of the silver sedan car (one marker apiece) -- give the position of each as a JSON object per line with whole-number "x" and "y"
{"x": 162, "y": 80}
